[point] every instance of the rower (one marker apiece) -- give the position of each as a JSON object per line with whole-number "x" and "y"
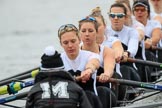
{"x": 141, "y": 11}
{"x": 128, "y": 37}
{"x": 110, "y": 42}
{"x": 157, "y": 13}
{"x": 88, "y": 28}
{"x": 80, "y": 62}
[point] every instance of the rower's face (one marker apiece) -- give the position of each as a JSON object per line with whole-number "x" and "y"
{"x": 140, "y": 13}
{"x": 70, "y": 42}
{"x": 156, "y": 3}
{"x": 88, "y": 33}
{"x": 117, "y": 22}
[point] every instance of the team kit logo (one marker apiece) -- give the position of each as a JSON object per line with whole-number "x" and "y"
{"x": 59, "y": 90}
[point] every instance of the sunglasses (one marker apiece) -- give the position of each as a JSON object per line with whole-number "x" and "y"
{"x": 140, "y": 9}
{"x": 88, "y": 19}
{"x": 118, "y": 15}
{"x": 66, "y": 28}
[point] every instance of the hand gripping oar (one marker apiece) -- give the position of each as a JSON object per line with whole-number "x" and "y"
{"x": 20, "y": 74}
{"x": 29, "y": 75}
{"x": 150, "y": 63}
{"x": 131, "y": 83}
{"x": 13, "y": 97}
{"x": 14, "y": 87}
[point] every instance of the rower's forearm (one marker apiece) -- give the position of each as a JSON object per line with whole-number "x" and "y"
{"x": 156, "y": 35}
{"x": 93, "y": 64}
{"x": 109, "y": 70}
{"x": 141, "y": 34}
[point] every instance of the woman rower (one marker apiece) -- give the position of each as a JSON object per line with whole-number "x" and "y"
{"x": 88, "y": 28}
{"x": 111, "y": 42}
{"x": 79, "y": 62}
{"x": 157, "y": 11}
{"x": 141, "y": 11}
{"x": 128, "y": 36}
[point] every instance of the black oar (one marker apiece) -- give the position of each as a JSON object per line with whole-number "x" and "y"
{"x": 136, "y": 84}
{"x": 11, "y": 106}
{"x": 156, "y": 48}
{"x": 13, "y": 97}
{"x": 22, "y": 77}
{"x": 150, "y": 63}
{"x": 131, "y": 83}
{"x": 20, "y": 74}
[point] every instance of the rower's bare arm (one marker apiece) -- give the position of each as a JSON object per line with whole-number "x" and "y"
{"x": 141, "y": 34}
{"x": 153, "y": 41}
{"x": 92, "y": 65}
{"x": 109, "y": 61}
{"x": 117, "y": 47}
{"x": 156, "y": 34}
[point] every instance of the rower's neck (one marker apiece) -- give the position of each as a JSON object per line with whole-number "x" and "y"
{"x": 93, "y": 48}
{"x": 144, "y": 22}
{"x": 158, "y": 10}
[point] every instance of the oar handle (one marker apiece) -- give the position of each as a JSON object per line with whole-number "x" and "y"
{"x": 130, "y": 83}
{"x": 156, "y": 48}
{"x": 137, "y": 84}
{"x": 145, "y": 62}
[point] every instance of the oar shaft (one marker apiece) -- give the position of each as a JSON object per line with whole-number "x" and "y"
{"x": 20, "y": 74}
{"x": 150, "y": 63}
{"x": 13, "y": 97}
{"x": 29, "y": 75}
{"x": 131, "y": 83}
{"x": 136, "y": 83}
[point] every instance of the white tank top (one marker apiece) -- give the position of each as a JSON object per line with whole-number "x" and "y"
{"x": 139, "y": 26}
{"x": 136, "y": 24}
{"x": 110, "y": 41}
{"x": 80, "y": 62}
{"x": 101, "y": 55}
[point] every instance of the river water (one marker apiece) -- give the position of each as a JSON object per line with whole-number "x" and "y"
{"x": 28, "y": 26}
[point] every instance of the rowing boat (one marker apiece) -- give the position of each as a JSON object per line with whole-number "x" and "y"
{"x": 146, "y": 99}
{"x": 149, "y": 94}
